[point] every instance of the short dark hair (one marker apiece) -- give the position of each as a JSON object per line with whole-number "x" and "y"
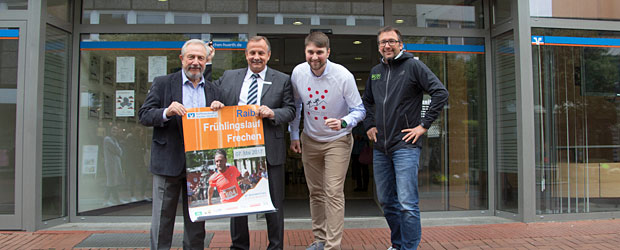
{"x": 258, "y": 38}
{"x": 221, "y": 152}
{"x": 318, "y": 38}
{"x": 388, "y": 29}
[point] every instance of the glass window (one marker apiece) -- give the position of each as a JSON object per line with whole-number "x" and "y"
{"x": 600, "y": 9}
{"x": 13, "y": 5}
{"x": 165, "y": 12}
{"x": 60, "y": 9}
{"x": 577, "y": 110}
{"x": 55, "y": 123}
{"x": 501, "y": 11}
{"x": 453, "y": 162}
{"x": 443, "y": 13}
{"x": 113, "y": 148}
{"x": 9, "y": 45}
{"x": 321, "y": 12}
{"x": 506, "y": 151}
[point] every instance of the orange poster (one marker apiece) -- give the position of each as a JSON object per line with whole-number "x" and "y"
{"x": 232, "y": 126}
{"x": 226, "y": 162}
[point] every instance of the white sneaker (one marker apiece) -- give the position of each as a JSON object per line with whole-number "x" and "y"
{"x": 392, "y": 248}
{"x": 316, "y": 246}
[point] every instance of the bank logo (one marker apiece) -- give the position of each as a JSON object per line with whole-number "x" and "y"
{"x": 201, "y": 115}
{"x": 375, "y": 76}
{"x": 538, "y": 40}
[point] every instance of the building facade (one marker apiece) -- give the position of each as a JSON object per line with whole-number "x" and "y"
{"x": 531, "y": 131}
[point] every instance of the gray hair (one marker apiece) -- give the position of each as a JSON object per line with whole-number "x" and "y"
{"x": 258, "y": 39}
{"x": 195, "y": 41}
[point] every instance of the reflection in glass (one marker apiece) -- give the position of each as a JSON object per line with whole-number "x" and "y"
{"x": 60, "y": 9}
{"x": 501, "y": 11}
{"x": 506, "y": 153}
{"x": 603, "y": 9}
{"x": 317, "y": 12}
{"x": 577, "y": 110}
{"x": 13, "y": 5}
{"x": 55, "y": 123}
{"x": 8, "y": 105}
{"x": 113, "y": 148}
{"x": 453, "y": 162}
{"x": 165, "y": 12}
{"x": 438, "y": 14}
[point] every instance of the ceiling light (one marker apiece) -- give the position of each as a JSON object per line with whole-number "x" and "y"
{"x": 357, "y": 58}
{"x": 399, "y": 21}
{"x": 163, "y": 0}
{"x": 297, "y": 23}
{"x": 356, "y": 42}
{"x": 358, "y": 79}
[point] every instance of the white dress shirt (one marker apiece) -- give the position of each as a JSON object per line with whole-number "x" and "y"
{"x": 243, "y": 96}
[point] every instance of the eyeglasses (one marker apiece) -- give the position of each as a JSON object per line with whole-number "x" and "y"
{"x": 390, "y": 42}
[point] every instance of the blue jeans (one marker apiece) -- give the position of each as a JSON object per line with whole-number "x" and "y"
{"x": 396, "y": 177}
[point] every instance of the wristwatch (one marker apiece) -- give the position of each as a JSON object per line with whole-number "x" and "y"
{"x": 343, "y": 124}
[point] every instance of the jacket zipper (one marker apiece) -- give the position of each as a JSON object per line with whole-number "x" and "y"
{"x": 387, "y": 83}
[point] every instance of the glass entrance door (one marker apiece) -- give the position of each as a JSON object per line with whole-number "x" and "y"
{"x": 11, "y": 74}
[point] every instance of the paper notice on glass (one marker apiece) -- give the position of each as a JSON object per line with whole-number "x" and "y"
{"x": 226, "y": 163}
{"x": 157, "y": 66}
{"x": 125, "y": 103}
{"x": 84, "y": 99}
{"x": 125, "y": 69}
{"x": 89, "y": 159}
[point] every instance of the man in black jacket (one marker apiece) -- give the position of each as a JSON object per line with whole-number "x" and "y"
{"x": 163, "y": 109}
{"x": 393, "y": 102}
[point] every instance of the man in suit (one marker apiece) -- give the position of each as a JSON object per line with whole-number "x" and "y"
{"x": 271, "y": 90}
{"x": 163, "y": 109}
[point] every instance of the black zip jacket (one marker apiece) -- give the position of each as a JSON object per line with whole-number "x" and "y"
{"x": 393, "y": 100}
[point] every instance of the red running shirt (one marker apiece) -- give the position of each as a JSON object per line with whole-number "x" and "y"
{"x": 226, "y": 184}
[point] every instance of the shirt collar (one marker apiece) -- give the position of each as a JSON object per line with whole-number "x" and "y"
{"x": 262, "y": 74}
{"x": 185, "y": 79}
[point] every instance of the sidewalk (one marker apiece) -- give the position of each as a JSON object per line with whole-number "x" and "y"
{"x": 593, "y": 234}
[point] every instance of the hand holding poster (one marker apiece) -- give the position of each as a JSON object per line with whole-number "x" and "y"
{"x": 226, "y": 163}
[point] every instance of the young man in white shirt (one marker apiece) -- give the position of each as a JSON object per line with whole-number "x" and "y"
{"x": 332, "y": 107}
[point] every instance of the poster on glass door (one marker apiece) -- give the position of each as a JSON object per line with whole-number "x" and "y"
{"x": 226, "y": 163}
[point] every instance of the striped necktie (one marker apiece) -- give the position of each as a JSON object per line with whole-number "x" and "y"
{"x": 252, "y": 92}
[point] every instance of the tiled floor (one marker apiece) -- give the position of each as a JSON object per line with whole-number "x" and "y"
{"x": 593, "y": 234}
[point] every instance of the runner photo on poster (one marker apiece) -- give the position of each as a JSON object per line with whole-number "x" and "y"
{"x": 226, "y": 163}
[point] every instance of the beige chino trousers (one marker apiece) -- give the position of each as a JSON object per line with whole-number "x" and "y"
{"x": 325, "y": 167}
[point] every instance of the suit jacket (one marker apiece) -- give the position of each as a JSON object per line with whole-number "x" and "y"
{"x": 167, "y": 148}
{"x": 208, "y": 71}
{"x": 278, "y": 96}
